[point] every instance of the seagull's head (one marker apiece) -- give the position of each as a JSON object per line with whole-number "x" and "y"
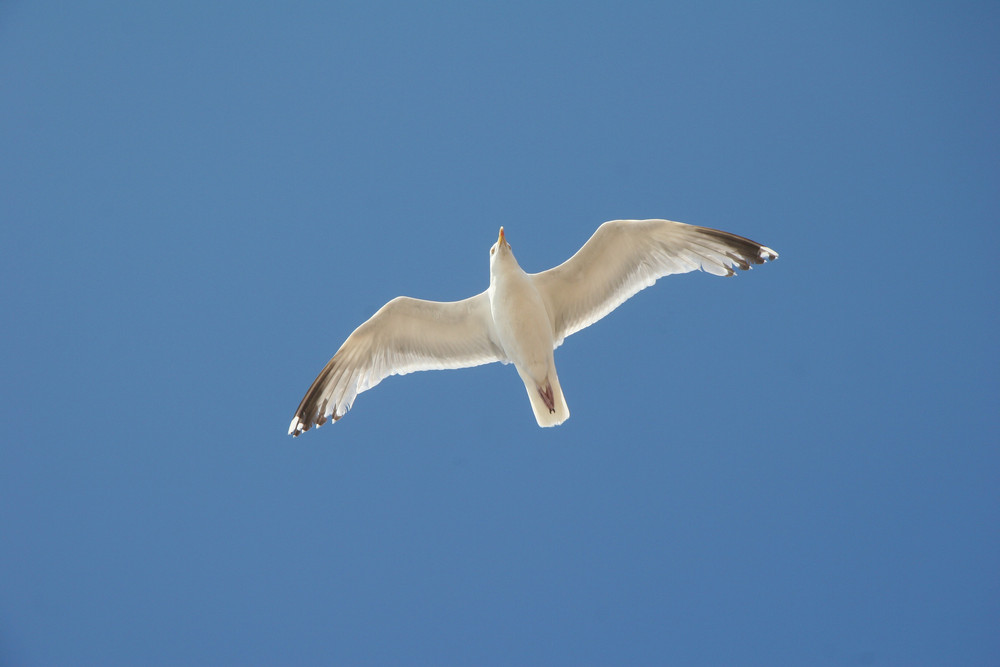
{"x": 500, "y": 249}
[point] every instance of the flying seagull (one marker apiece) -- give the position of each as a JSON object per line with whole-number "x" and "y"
{"x": 521, "y": 317}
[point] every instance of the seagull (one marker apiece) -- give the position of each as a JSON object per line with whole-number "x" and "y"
{"x": 521, "y": 318}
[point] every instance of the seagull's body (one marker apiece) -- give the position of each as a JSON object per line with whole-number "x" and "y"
{"x": 525, "y": 334}
{"x": 521, "y": 318}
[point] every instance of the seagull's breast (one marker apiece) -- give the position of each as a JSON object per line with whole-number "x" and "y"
{"x": 522, "y": 322}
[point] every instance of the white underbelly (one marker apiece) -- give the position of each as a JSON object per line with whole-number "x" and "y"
{"x": 523, "y": 327}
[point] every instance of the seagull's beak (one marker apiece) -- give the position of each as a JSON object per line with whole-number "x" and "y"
{"x": 501, "y": 240}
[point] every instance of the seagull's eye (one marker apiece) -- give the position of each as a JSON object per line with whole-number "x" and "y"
{"x": 493, "y": 250}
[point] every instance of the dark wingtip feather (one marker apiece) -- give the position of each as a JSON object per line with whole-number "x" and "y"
{"x": 312, "y": 411}
{"x": 744, "y": 251}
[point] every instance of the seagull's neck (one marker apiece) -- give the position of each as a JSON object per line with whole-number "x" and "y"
{"x": 504, "y": 269}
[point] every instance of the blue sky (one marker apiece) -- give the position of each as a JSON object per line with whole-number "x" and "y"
{"x": 200, "y": 201}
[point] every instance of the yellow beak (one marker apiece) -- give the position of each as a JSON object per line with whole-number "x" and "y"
{"x": 501, "y": 241}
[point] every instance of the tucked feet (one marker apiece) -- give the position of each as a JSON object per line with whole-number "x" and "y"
{"x": 546, "y": 393}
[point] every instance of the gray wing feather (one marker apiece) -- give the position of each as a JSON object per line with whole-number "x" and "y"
{"x": 626, "y": 256}
{"x": 404, "y": 336}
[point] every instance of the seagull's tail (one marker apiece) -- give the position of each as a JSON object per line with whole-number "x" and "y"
{"x": 547, "y": 400}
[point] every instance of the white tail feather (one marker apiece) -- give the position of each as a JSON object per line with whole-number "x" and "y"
{"x": 543, "y": 415}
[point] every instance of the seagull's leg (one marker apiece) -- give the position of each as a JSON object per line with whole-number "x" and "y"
{"x": 546, "y": 393}
{"x": 547, "y": 400}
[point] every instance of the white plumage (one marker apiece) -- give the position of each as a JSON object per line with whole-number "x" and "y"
{"x": 521, "y": 318}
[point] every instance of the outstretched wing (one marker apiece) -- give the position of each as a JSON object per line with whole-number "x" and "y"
{"x": 404, "y": 336}
{"x": 626, "y": 256}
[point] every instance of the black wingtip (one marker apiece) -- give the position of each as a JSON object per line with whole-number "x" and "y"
{"x": 744, "y": 251}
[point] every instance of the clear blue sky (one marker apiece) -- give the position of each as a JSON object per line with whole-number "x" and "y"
{"x": 201, "y": 200}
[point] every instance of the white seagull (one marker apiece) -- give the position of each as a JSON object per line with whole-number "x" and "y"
{"x": 521, "y": 317}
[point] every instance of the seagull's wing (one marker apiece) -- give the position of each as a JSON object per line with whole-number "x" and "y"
{"x": 625, "y": 256}
{"x": 404, "y": 336}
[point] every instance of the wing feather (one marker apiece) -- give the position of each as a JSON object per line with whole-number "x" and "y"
{"x": 404, "y": 336}
{"x": 626, "y": 256}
